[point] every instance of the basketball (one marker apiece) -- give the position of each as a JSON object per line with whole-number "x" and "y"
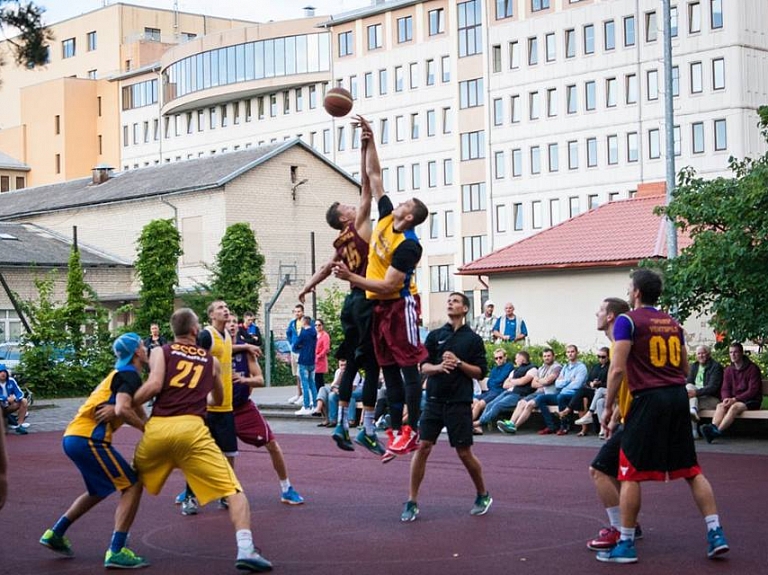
{"x": 338, "y": 102}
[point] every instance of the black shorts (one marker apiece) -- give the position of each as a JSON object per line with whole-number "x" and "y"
{"x": 457, "y": 417}
{"x": 356, "y": 318}
{"x": 222, "y": 427}
{"x": 607, "y": 459}
{"x": 657, "y": 443}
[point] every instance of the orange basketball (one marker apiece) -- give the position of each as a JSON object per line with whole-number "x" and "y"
{"x": 338, "y": 102}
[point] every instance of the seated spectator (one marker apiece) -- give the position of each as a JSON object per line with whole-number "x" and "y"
{"x": 517, "y": 385}
{"x": 483, "y": 324}
{"x": 13, "y": 402}
{"x": 328, "y": 397}
{"x": 495, "y": 383}
{"x": 742, "y": 390}
{"x": 704, "y": 382}
{"x": 597, "y": 379}
{"x": 509, "y": 327}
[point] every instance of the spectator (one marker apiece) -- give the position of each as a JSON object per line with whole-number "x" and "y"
{"x": 304, "y": 347}
{"x": 571, "y": 378}
{"x": 495, "y": 383}
{"x": 13, "y": 402}
{"x": 597, "y": 379}
{"x": 704, "y": 382}
{"x": 483, "y": 324}
{"x": 742, "y": 390}
{"x": 155, "y": 338}
{"x": 322, "y": 349}
{"x": 291, "y": 334}
{"x": 328, "y": 396}
{"x": 509, "y": 327}
{"x": 249, "y": 332}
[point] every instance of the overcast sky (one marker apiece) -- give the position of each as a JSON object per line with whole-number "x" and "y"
{"x": 256, "y": 10}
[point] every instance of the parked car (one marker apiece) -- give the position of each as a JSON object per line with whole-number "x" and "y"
{"x": 282, "y": 350}
{"x": 10, "y": 354}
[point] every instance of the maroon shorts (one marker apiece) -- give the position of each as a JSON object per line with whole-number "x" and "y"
{"x": 395, "y": 332}
{"x": 250, "y": 425}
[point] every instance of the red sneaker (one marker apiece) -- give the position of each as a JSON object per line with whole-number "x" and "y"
{"x": 546, "y": 431}
{"x": 387, "y": 457}
{"x": 405, "y": 441}
{"x": 606, "y": 540}
{"x": 391, "y": 436}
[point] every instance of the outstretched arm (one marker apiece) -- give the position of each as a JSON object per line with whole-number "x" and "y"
{"x": 320, "y": 276}
{"x": 363, "y": 220}
{"x": 372, "y": 165}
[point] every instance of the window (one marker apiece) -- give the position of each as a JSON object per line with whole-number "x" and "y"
{"x": 385, "y": 179}
{"x": 514, "y": 55}
{"x": 610, "y": 92}
{"x": 496, "y": 52}
{"x": 473, "y": 197}
{"x": 609, "y": 32}
{"x": 553, "y": 158}
{"x": 633, "y": 153}
{"x": 673, "y": 21}
{"x": 326, "y": 141}
{"x": 517, "y": 162}
{"x": 533, "y": 51}
{"x": 554, "y": 212}
{"x": 399, "y": 78}
{"x": 536, "y": 214}
{"x": 697, "y": 135}
{"x": 474, "y": 247}
{"x": 434, "y": 226}
{"x": 653, "y": 84}
{"x": 537, "y": 5}
{"x": 272, "y": 105}
{"x": 431, "y": 72}
{"x": 589, "y": 39}
{"x": 570, "y": 43}
{"x": 440, "y": 279}
{"x": 471, "y": 93}
{"x": 448, "y": 172}
{"x": 716, "y": 13}
{"x": 470, "y": 28}
{"x": 697, "y": 83}
{"x": 552, "y": 102}
{"x": 346, "y": 45}
{"x": 592, "y": 201}
{"x": 550, "y": 45}
{"x": 384, "y": 131}
{"x": 574, "y": 206}
{"x": 677, "y": 140}
{"x": 374, "y": 37}
{"x": 504, "y": 9}
{"x": 432, "y": 174}
{"x": 571, "y": 100}
{"x": 533, "y": 105}
{"x": 404, "y": 29}
{"x": 472, "y": 145}
{"x": 629, "y": 31}
{"x": 416, "y": 176}
{"x": 613, "y": 149}
{"x": 341, "y": 139}
{"x": 414, "y": 126}
{"x": 431, "y": 123}
{"x": 436, "y": 22}
{"x": 654, "y": 144}
{"x": 675, "y": 81}
{"x": 414, "y": 75}
{"x": 20, "y": 182}
{"x": 57, "y": 163}
{"x": 590, "y": 95}
{"x": 57, "y": 124}
{"x": 399, "y": 128}
{"x": 514, "y": 108}
{"x": 447, "y": 121}
{"x": 368, "y": 84}
{"x": 5, "y": 183}
{"x": 535, "y": 160}
{"x": 91, "y": 41}
{"x": 68, "y": 48}
{"x": 718, "y": 74}
{"x": 498, "y": 165}
{"x": 501, "y": 218}
{"x": 573, "y": 155}
{"x": 721, "y": 136}
{"x": 445, "y": 69}
{"x": 694, "y": 17}
{"x": 152, "y": 34}
{"x": 591, "y": 152}
{"x": 400, "y": 171}
{"x": 651, "y": 30}
{"x": 449, "y": 223}
{"x": 498, "y": 112}
{"x": 517, "y": 216}
{"x": 613, "y": 196}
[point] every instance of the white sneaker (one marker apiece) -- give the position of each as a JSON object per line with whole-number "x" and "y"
{"x": 292, "y": 399}
{"x": 304, "y": 411}
{"x": 25, "y": 425}
{"x": 299, "y": 400}
{"x": 694, "y": 414}
{"x": 585, "y": 420}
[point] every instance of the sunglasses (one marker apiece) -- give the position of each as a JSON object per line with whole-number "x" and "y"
{"x": 602, "y": 357}
{"x": 499, "y": 358}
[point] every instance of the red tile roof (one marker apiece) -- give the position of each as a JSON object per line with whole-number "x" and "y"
{"x": 615, "y": 234}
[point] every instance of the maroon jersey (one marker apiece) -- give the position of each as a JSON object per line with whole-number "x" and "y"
{"x": 655, "y": 359}
{"x": 352, "y": 250}
{"x": 188, "y": 380}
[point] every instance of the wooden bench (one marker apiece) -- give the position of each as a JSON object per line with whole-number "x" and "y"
{"x": 750, "y": 414}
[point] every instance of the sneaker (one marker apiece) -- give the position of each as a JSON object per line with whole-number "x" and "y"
{"x": 546, "y": 431}
{"x": 341, "y": 437}
{"x": 189, "y": 506}
{"x": 506, "y": 426}
{"x": 638, "y": 532}
{"x": 180, "y": 497}
{"x": 25, "y": 425}
{"x": 405, "y": 442}
{"x": 254, "y": 563}
{"x": 561, "y": 431}
{"x": 291, "y": 497}
{"x": 710, "y": 432}
{"x": 717, "y": 545}
{"x": 21, "y": 431}
{"x": 223, "y": 503}
{"x": 606, "y": 539}
{"x": 695, "y": 414}
{"x": 304, "y": 411}
{"x": 124, "y": 559}
{"x": 585, "y": 419}
{"x": 370, "y": 442}
{"x": 601, "y": 435}
{"x": 292, "y": 399}
{"x": 410, "y": 511}
{"x": 298, "y": 401}
{"x": 388, "y": 456}
{"x": 57, "y": 543}
{"x": 623, "y": 552}
{"x": 482, "y": 504}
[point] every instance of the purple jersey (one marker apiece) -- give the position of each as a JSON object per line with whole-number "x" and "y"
{"x": 188, "y": 379}
{"x": 241, "y": 392}
{"x": 352, "y": 250}
{"x": 655, "y": 359}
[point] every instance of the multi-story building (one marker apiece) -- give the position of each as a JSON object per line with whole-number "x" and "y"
{"x": 506, "y": 117}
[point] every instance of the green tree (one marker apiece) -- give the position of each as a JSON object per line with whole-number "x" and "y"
{"x": 30, "y": 44}
{"x": 723, "y": 271}
{"x": 329, "y": 310}
{"x": 76, "y": 290}
{"x": 159, "y": 249}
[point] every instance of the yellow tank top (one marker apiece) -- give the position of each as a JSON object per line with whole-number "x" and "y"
{"x": 222, "y": 350}
{"x": 384, "y": 242}
{"x": 85, "y": 425}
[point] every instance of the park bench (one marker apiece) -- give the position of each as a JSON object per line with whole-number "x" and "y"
{"x": 753, "y": 414}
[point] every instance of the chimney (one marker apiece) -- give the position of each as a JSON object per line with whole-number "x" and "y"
{"x": 101, "y": 173}
{"x": 309, "y": 11}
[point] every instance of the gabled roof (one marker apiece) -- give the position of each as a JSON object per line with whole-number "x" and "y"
{"x": 28, "y": 245}
{"x": 615, "y": 234}
{"x": 9, "y": 163}
{"x": 174, "y": 178}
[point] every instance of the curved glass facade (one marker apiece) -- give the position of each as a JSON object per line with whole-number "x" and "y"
{"x": 247, "y": 62}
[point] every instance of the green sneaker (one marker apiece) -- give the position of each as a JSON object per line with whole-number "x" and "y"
{"x": 410, "y": 511}
{"x": 482, "y": 504}
{"x": 124, "y": 559}
{"x": 56, "y": 543}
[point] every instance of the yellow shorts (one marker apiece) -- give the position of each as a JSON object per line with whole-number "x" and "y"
{"x": 184, "y": 442}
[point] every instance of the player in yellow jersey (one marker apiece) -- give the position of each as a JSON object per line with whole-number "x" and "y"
{"x": 88, "y": 443}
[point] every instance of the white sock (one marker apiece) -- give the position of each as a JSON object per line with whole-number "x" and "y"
{"x": 285, "y": 485}
{"x": 713, "y": 522}
{"x": 244, "y": 543}
{"x": 370, "y": 427}
{"x": 614, "y": 516}
{"x": 627, "y": 533}
{"x": 341, "y": 417}
{"x": 351, "y": 410}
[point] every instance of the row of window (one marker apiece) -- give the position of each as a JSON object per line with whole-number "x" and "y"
{"x": 5, "y": 183}
{"x": 140, "y": 94}
{"x": 399, "y": 84}
{"x": 69, "y": 46}
{"x": 414, "y": 174}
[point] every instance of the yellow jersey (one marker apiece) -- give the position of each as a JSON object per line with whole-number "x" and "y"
{"x": 221, "y": 349}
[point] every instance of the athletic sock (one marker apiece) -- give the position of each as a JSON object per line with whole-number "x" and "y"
{"x": 627, "y": 533}
{"x": 713, "y": 522}
{"x": 244, "y": 543}
{"x": 370, "y": 427}
{"x": 614, "y": 516}
{"x": 61, "y": 526}
{"x": 285, "y": 485}
{"x": 341, "y": 417}
{"x": 351, "y": 410}
{"x": 119, "y": 539}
